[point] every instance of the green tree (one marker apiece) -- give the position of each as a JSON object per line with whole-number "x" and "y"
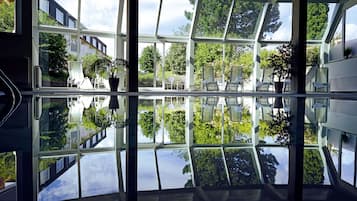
{"x": 88, "y": 61}
{"x": 176, "y": 58}
{"x": 317, "y": 16}
{"x": 210, "y": 168}
{"x": 53, "y": 50}
{"x": 175, "y": 125}
{"x": 7, "y": 167}
{"x": 213, "y": 18}
{"x": 53, "y": 125}
{"x": 146, "y": 59}
{"x": 7, "y": 19}
{"x": 268, "y": 165}
{"x": 313, "y": 167}
{"x": 147, "y": 124}
{"x": 241, "y": 167}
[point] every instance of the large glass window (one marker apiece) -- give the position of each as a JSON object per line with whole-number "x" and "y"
{"x": 59, "y": 16}
{"x": 351, "y": 30}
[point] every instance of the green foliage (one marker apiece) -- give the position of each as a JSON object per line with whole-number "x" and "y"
{"x": 176, "y": 59}
{"x": 211, "y": 132}
{"x": 175, "y": 125}
{"x": 53, "y": 126}
{"x": 245, "y": 60}
{"x": 277, "y": 127}
{"x": 147, "y": 124}
{"x": 213, "y": 16}
{"x": 7, "y": 167}
{"x": 313, "y": 55}
{"x": 279, "y": 61}
{"x": 264, "y": 55}
{"x": 7, "y": 19}
{"x": 99, "y": 118}
{"x": 241, "y": 167}
{"x": 310, "y": 134}
{"x": 146, "y": 60}
{"x": 87, "y": 63}
{"x": 313, "y": 167}
{"x": 53, "y": 53}
{"x": 317, "y": 16}
{"x": 268, "y": 165}
{"x": 210, "y": 168}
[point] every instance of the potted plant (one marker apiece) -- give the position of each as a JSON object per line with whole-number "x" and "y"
{"x": 280, "y": 63}
{"x": 347, "y": 53}
{"x": 112, "y": 69}
{"x": 279, "y": 127}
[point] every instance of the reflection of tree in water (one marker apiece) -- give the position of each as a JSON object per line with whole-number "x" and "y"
{"x": 53, "y": 125}
{"x": 187, "y": 168}
{"x": 175, "y": 125}
{"x": 146, "y": 122}
{"x": 210, "y": 168}
{"x": 313, "y": 167}
{"x": 241, "y": 167}
{"x": 211, "y": 132}
{"x": 268, "y": 165}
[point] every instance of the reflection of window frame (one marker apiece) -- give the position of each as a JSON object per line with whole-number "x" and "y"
{"x": 73, "y": 44}
{"x": 44, "y": 6}
{"x": 59, "y": 165}
{"x": 71, "y": 23}
{"x": 59, "y": 16}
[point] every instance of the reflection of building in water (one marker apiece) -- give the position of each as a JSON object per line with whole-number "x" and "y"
{"x": 55, "y": 170}
{"x": 89, "y": 44}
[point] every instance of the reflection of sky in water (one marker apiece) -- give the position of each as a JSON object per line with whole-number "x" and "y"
{"x": 99, "y": 174}
{"x": 147, "y": 179}
{"x": 347, "y": 167}
{"x": 63, "y": 188}
{"x": 171, "y": 165}
{"x": 282, "y": 169}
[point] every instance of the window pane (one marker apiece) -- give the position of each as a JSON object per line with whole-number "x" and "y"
{"x": 351, "y": 29}
{"x": 210, "y": 168}
{"x": 336, "y": 51}
{"x": 147, "y": 178}
{"x": 244, "y": 19}
{"x": 277, "y": 22}
{"x": 347, "y": 158}
{"x": 274, "y": 164}
{"x": 149, "y": 61}
{"x": 7, "y": 16}
{"x": 333, "y": 144}
{"x": 174, "y": 168}
{"x": 99, "y": 174}
{"x": 212, "y": 18}
{"x": 58, "y": 184}
{"x": 148, "y": 11}
{"x": 58, "y": 13}
{"x": 173, "y": 20}
{"x": 99, "y": 16}
{"x": 241, "y": 166}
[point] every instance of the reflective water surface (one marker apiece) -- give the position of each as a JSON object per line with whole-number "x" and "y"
{"x": 189, "y": 148}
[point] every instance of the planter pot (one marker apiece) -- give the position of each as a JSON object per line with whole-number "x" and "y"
{"x": 113, "y": 103}
{"x": 113, "y": 83}
{"x": 278, "y": 87}
{"x": 278, "y": 102}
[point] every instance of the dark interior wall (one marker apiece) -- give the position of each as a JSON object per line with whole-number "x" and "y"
{"x": 16, "y": 48}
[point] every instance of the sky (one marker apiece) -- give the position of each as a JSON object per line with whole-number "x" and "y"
{"x": 103, "y": 16}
